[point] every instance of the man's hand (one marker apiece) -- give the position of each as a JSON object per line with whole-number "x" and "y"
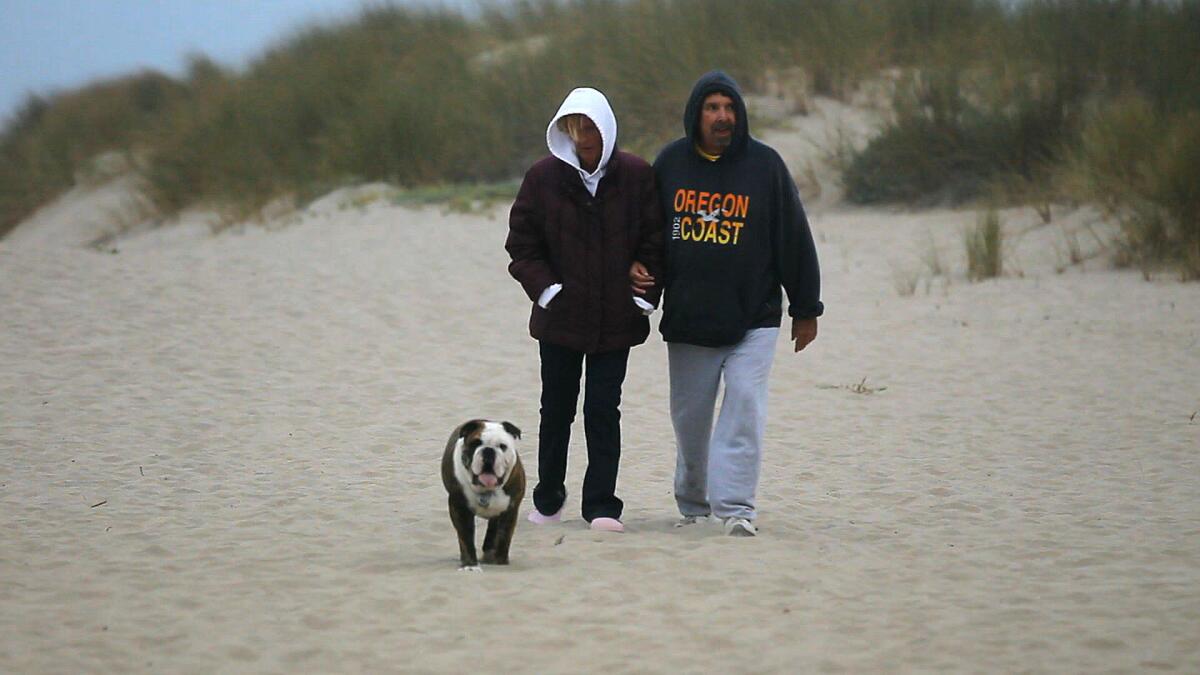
{"x": 804, "y": 331}
{"x": 640, "y": 278}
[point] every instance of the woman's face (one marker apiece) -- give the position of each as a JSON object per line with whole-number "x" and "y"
{"x": 588, "y": 145}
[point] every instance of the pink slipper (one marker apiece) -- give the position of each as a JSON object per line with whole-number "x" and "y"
{"x": 607, "y": 525}
{"x": 538, "y": 518}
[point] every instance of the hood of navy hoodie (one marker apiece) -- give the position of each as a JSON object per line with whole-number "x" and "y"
{"x": 717, "y": 81}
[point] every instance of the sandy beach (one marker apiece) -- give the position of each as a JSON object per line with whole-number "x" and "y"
{"x": 219, "y": 453}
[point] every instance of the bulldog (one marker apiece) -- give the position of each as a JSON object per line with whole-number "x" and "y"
{"x": 483, "y": 477}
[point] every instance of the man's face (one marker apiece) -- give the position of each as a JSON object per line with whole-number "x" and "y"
{"x": 588, "y": 145}
{"x": 717, "y": 121}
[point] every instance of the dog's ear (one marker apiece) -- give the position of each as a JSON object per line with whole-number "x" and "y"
{"x": 469, "y": 428}
{"x": 511, "y": 429}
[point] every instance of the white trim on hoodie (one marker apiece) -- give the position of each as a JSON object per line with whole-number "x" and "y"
{"x": 590, "y": 102}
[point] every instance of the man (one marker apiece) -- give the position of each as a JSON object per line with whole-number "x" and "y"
{"x": 736, "y": 233}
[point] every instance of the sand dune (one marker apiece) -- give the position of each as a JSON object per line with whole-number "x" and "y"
{"x": 219, "y": 453}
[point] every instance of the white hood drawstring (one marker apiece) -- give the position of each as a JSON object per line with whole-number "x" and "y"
{"x": 585, "y": 101}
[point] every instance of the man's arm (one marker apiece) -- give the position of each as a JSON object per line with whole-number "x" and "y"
{"x": 796, "y": 257}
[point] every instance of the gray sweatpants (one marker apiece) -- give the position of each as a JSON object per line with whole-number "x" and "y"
{"x": 716, "y": 468}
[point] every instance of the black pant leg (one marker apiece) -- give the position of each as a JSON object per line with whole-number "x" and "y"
{"x": 561, "y": 369}
{"x": 602, "y": 426}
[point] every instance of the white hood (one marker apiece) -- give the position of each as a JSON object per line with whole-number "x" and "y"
{"x": 592, "y": 103}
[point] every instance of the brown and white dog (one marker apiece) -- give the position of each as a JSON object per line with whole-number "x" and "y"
{"x": 484, "y": 477}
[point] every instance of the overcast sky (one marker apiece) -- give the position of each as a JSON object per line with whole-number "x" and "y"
{"x": 46, "y": 45}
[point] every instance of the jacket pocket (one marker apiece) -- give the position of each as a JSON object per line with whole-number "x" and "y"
{"x": 563, "y": 311}
{"x": 558, "y": 304}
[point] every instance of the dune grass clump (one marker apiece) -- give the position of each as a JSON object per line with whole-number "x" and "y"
{"x": 955, "y": 133}
{"x": 1009, "y": 102}
{"x": 1039, "y": 108}
{"x": 48, "y": 140}
{"x": 985, "y": 247}
{"x": 1143, "y": 168}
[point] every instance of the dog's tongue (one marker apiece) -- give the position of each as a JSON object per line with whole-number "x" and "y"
{"x": 488, "y": 479}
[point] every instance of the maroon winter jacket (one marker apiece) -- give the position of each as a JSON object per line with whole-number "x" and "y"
{"x": 559, "y": 233}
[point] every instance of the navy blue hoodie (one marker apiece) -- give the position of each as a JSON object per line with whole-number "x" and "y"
{"x": 735, "y": 233}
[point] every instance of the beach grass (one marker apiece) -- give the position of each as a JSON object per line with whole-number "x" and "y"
{"x": 984, "y": 245}
{"x": 1143, "y": 168}
{"x": 986, "y": 93}
{"x": 48, "y": 141}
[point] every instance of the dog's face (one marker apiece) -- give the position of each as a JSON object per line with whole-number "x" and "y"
{"x": 488, "y": 452}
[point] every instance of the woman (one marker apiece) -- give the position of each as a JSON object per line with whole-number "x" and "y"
{"x": 582, "y": 216}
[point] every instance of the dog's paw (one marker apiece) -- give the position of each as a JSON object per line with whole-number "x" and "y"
{"x": 470, "y": 568}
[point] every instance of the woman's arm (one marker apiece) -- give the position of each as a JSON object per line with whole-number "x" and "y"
{"x": 526, "y": 242}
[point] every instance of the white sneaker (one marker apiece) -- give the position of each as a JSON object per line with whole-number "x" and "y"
{"x": 692, "y": 520}
{"x": 740, "y": 527}
{"x": 538, "y": 518}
